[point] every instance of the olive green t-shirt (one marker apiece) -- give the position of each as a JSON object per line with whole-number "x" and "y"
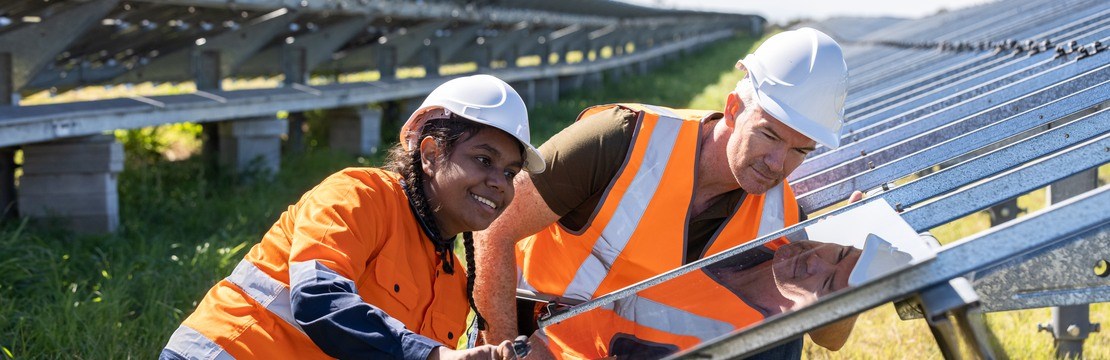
{"x": 583, "y": 159}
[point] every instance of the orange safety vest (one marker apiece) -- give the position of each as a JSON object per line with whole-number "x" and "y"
{"x": 639, "y": 227}
{"x": 661, "y": 320}
{"x": 358, "y": 224}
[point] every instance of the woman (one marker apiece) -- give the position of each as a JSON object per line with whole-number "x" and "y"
{"x": 362, "y": 266}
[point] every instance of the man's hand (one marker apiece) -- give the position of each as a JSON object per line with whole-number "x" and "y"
{"x": 484, "y": 352}
{"x": 856, "y": 196}
{"x": 833, "y": 336}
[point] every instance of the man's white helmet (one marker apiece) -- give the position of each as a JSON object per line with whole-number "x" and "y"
{"x": 801, "y": 79}
{"x": 483, "y": 99}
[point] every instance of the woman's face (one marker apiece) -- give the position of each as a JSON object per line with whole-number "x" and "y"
{"x": 472, "y": 185}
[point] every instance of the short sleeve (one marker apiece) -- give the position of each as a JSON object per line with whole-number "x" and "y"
{"x": 582, "y": 160}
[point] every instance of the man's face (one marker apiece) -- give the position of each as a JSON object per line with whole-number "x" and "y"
{"x": 762, "y": 151}
{"x": 806, "y": 270}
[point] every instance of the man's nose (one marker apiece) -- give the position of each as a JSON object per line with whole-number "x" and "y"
{"x": 776, "y": 161}
{"x": 817, "y": 265}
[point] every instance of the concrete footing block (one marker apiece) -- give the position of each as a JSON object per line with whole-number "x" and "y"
{"x": 252, "y": 145}
{"x": 74, "y": 181}
{"x": 355, "y": 130}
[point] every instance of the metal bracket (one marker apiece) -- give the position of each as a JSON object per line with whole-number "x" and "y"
{"x": 958, "y": 300}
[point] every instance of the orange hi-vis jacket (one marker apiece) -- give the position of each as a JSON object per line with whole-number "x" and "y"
{"x": 349, "y": 252}
{"x": 659, "y": 321}
{"x": 639, "y": 227}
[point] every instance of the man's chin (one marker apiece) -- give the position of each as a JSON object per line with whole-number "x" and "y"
{"x": 757, "y": 188}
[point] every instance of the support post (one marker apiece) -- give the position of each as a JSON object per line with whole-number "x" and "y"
{"x": 8, "y": 204}
{"x": 206, "y": 70}
{"x": 294, "y": 141}
{"x": 570, "y": 83}
{"x": 8, "y": 95}
{"x": 547, "y": 90}
{"x": 430, "y": 60}
{"x": 294, "y": 65}
{"x": 73, "y": 180}
{"x": 614, "y": 74}
{"x": 8, "y": 208}
{"x": 387, "y": 62}
{"x": 593, "y": 80}
{"x": 484, "y": 58}
{"x": 355, "y": 130}
{"x": 206, "y": 75}
{"x": 252, "y": 146}
{"x": 1071, "y": 324}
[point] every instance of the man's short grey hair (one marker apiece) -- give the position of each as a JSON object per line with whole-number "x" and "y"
{"x": 746, "y": 92}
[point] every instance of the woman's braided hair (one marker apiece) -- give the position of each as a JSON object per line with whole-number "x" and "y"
{"x": 447, "y": 132}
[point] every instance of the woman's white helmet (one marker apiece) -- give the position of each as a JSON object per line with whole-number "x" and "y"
{"x": 801, "y": 79}
{"x": 483, "y": 99}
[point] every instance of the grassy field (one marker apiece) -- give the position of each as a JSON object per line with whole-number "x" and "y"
{"x": 120, "y": 296}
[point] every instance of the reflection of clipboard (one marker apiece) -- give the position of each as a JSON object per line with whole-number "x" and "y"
{"x": 889, "y": 242}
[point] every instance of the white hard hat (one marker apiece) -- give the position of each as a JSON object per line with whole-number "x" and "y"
{"x": 801, "y": 79}
{"x": 879, "y": 258}
{"x": 483, "y": 99}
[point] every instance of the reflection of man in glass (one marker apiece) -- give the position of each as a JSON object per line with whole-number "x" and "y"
{"x": 802, "y": 271}
{"x": 729, "y": 295}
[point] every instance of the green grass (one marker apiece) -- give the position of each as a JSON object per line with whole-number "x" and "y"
{"x": 182, "y": 229}
{"x": 120, "y": 296}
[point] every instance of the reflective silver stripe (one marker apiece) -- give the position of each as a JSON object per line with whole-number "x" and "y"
{"x": 522, "y": 283}
{"x": 193, "y": 345}
{"x": 308, "y": 272}
{"x": 629, "y": 210}
{"x": 311, "y": 271}
{"x": 265, "y": 290}
{"x": 668, "y": 319}
{"x": 662, "y": 111}
{"x": 774, "y": 213}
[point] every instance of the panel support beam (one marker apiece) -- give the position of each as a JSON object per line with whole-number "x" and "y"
{"x": 39, "y": 43}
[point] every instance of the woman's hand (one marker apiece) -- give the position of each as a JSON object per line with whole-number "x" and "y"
{"x": 504, "y": 351}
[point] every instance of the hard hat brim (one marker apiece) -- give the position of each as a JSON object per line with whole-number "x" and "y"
{"x": 533, "y": 161}
{"x": 879, "y": 258}
{"x": 795, "y": 119}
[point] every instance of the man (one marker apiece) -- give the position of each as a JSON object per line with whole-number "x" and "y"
{"x": 632, "y": 191}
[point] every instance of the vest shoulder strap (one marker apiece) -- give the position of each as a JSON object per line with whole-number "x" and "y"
{"x": 683, "y": 114}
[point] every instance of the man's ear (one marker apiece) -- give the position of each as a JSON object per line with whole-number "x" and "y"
{"x": 429, "y": 155}
{"x": 733, "y": 106}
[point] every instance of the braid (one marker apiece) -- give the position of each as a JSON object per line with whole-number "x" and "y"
{"x": 415, "y": 192}
{"x": 468, "y": 244}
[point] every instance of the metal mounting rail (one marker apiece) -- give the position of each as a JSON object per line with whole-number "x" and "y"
{"x": 1026, "y": 150}
{"x": 992, "y": 105}
{"x": 931, "y": 80}
{"x": 28, "y": 124}
{"x": 930, "y": 85}
{"x": 1080, "y": 218}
